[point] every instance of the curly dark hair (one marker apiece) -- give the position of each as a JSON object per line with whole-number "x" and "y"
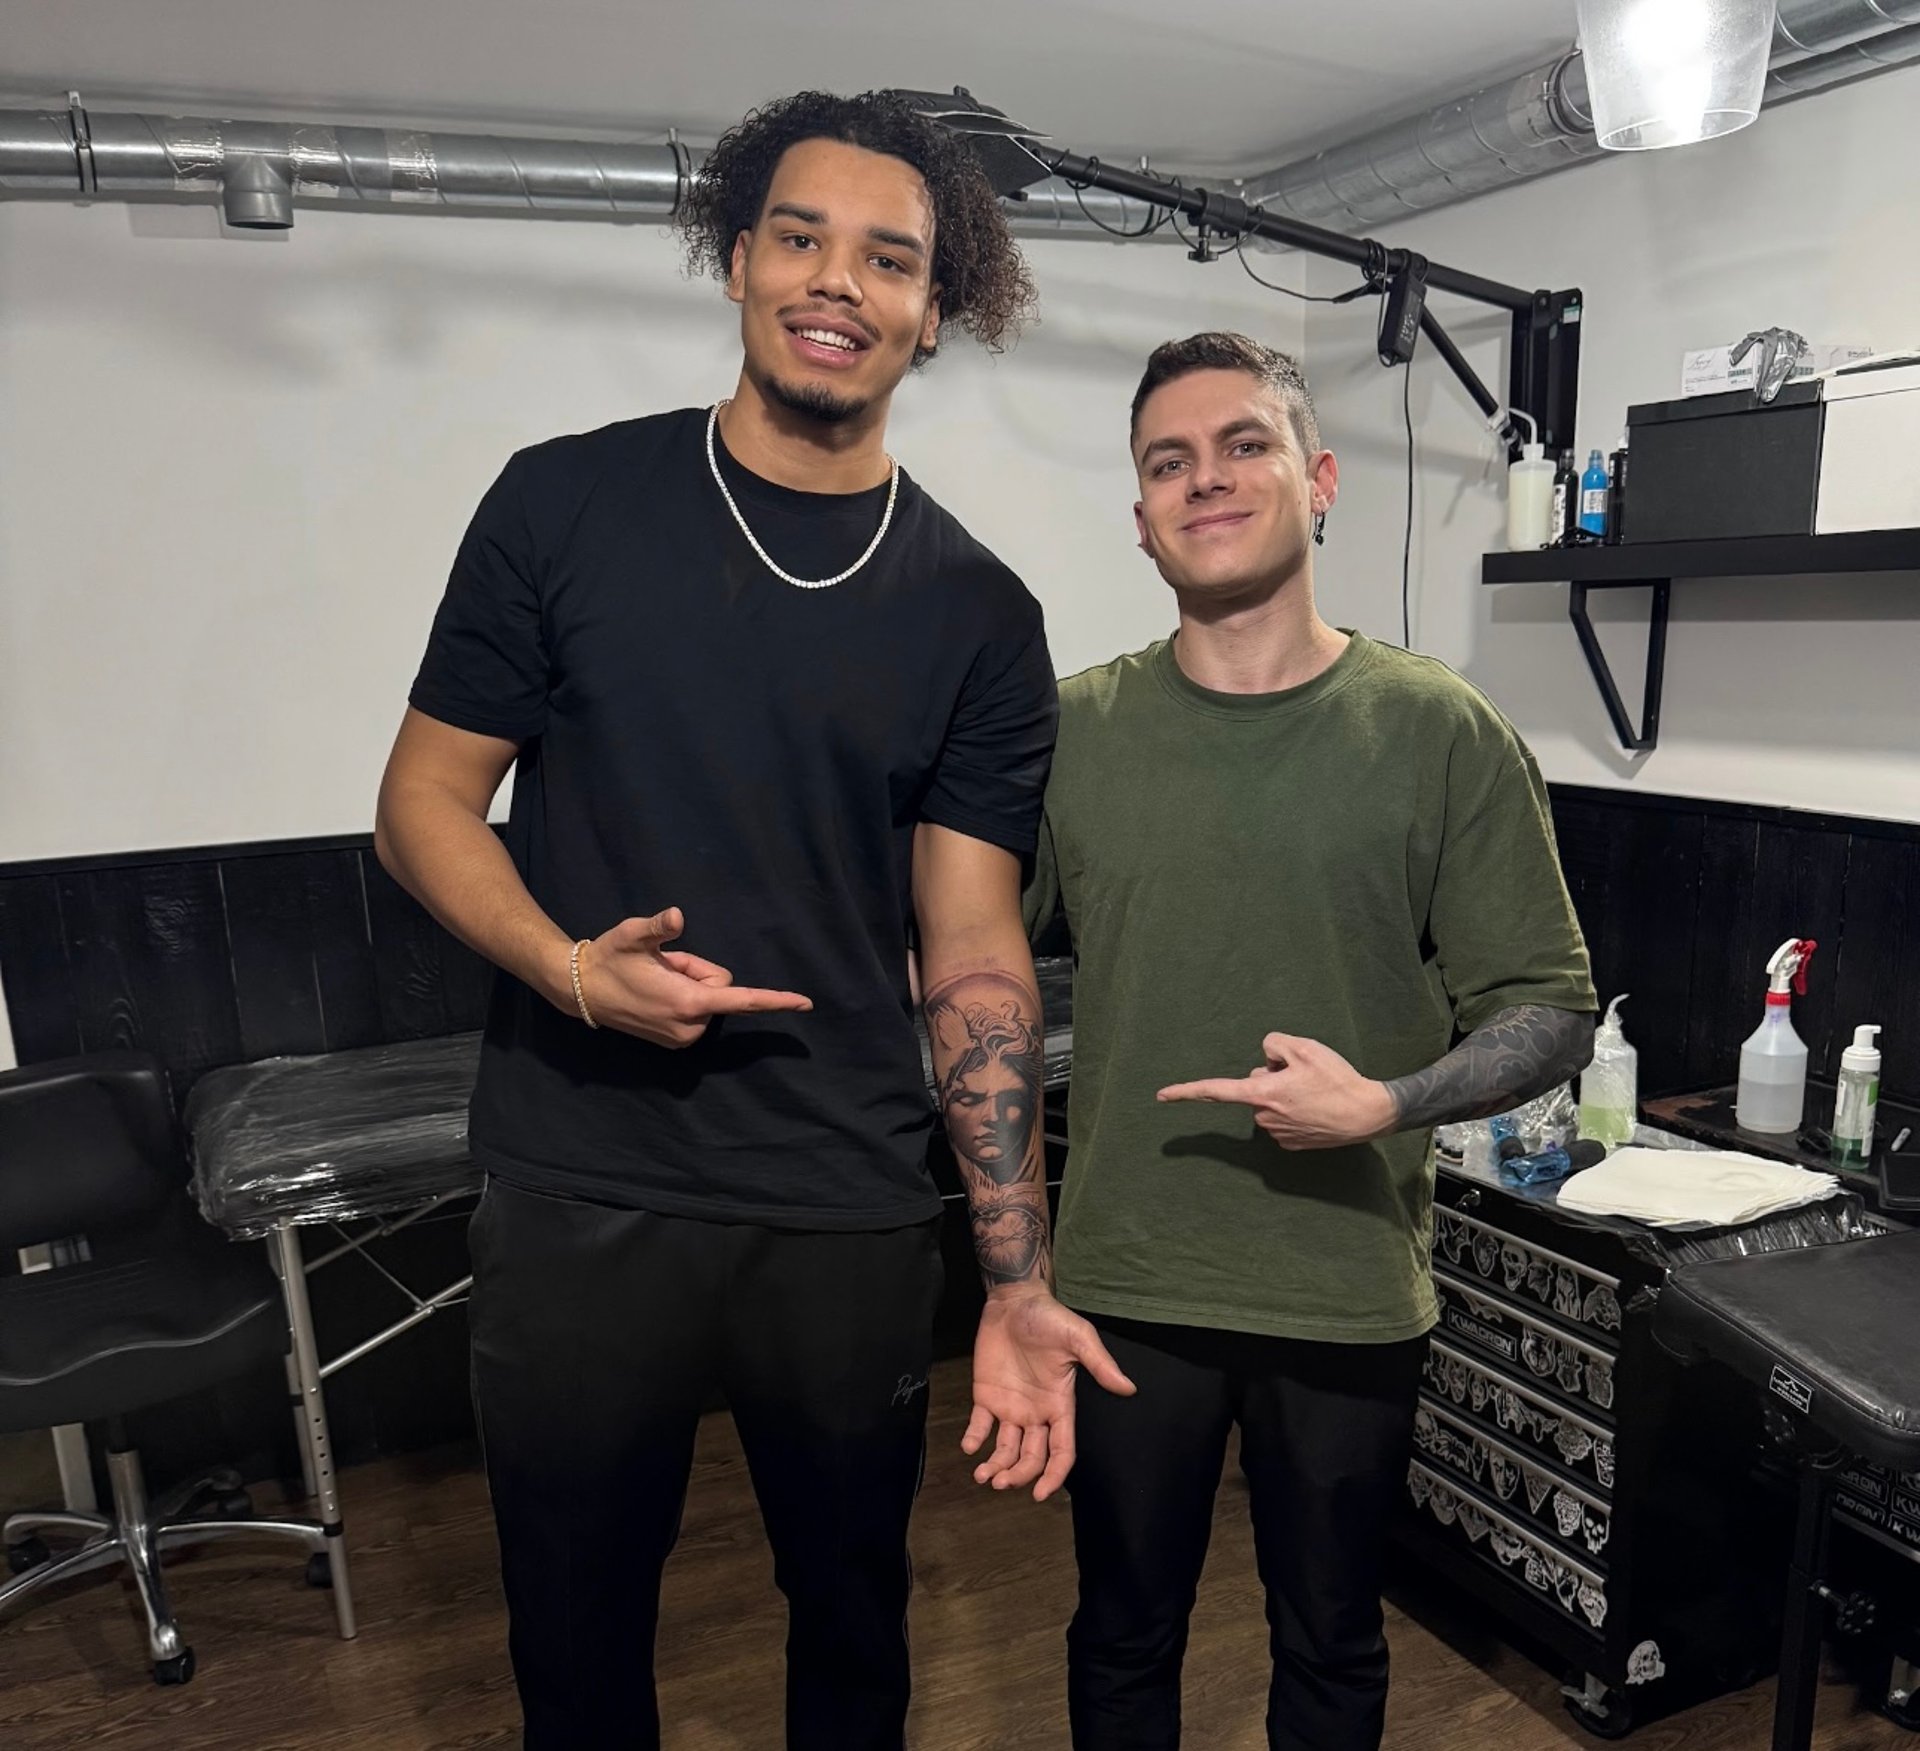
{"x": 983, "y": 279}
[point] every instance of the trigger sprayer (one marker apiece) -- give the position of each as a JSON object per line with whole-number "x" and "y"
{"x": 1773, "y": 1062}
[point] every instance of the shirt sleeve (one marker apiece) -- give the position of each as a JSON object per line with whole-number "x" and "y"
{"x": 991, "y": 776}
{"x": 486, "y": 664}
{"x": 1503, "y": 928}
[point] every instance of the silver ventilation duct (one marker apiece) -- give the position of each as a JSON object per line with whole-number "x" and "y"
{"x": 1504, "y": 134}
{"x": 1055, "y": 208}
{"x": 1812, "y": 27}
{"x": 1540, "y": 122}
{"x": 1893, "y": 48}
{"x": 258, "y": 169}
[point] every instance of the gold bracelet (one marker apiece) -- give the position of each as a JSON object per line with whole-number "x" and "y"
{"x": 579, "y": 996}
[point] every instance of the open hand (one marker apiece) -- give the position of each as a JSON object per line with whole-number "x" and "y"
{"x": 636, "y": 984}
{"x": 1025, "y": 1357}
{"x": 1305, "y": 1096}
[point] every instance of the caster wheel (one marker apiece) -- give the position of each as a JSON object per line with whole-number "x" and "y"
{"x": 1904, "y": 1714}
{"x": 1613, "y": 1721}
{"x": 319, "y": 1570}
{"x": 178, "y": 1670}
{"x": 29, "y": 1553}
{"x": 226, "y": 1480}
{"x": 232, "y": 1505}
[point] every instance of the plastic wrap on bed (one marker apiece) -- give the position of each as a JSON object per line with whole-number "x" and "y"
{"x": 344, "y": 1134}
{"x": 381, "y": 1129}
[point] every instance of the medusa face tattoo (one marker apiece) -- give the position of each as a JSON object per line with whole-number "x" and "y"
{"x": 990, "y": 1088}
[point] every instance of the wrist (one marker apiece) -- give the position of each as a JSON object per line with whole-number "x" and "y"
{"x": 1383, "y": 1111}
{"x": 552, "y": 975}
{"x": 1031, "y": 1289}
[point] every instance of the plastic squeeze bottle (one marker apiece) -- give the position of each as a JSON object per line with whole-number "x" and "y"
{"x": 1610, "y": 1085}
{"x": 1773, "y": 1062}
{"x": 1530, "y": 496}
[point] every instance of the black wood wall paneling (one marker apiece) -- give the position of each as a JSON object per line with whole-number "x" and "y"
{"x": 223, "y": 954}
{"x": 238, "y": 952}
{"x": 1684, "y": 901}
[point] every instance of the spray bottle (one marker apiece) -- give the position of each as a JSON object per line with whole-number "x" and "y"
{"x": 1856, "y": 1099}
{"x": 1610, "y": 1085}
{"x": 1773, "y": 1062}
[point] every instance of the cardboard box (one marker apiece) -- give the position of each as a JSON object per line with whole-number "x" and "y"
{"x": 1711, "y": 372}
{"x": 1869, "y": 473}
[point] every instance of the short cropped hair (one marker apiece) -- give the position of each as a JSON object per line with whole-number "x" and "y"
{"x": 1218, "y": 351}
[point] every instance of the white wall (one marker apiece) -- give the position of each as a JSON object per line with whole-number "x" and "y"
{"x": 233, "y": 470}
{"x": 1792, "y": 691}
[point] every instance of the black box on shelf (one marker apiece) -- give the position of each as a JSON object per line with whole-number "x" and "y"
{"x": 1713, "y": 467}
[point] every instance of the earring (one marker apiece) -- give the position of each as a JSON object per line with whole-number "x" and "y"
{"x": 1320, "y": 529}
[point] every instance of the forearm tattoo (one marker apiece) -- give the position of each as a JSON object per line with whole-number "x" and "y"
{"x": 1520, "y": 1053}
{"x": 988, "y": 1037}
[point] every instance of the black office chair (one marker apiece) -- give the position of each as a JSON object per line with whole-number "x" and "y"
{"x": 149, "y": 1304}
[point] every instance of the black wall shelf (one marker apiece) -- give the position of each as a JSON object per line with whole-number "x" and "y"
{"x": 1656, "y": 565}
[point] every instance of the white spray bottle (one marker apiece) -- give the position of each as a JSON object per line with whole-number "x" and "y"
{"x": 1610, "y": 1084}
{"x": 1773, "y": 1062}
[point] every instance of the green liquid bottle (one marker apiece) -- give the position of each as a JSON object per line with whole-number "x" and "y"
{"x": 1610, "y": 1085}
{"x": 1854, "y": 1103}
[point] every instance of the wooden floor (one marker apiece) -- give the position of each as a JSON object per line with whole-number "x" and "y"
{"x": 429, "y": 1670}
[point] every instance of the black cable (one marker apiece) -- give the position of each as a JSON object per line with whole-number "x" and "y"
{"x": 1406, "y": 552}
{"x": 1157, "y": 217}
{"x": 1360, "y": 291}
{"x": 1152, "y": 225}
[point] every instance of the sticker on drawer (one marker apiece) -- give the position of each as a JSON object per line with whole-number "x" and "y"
{"x": 1477, "y": 1331}
{"x": 1527, "y": 1272}
{"x": 1579, "y": 1591}
{"x": 1523, "y": 1488}
{"x": 1516, "y": 1414}
{"x": 1868, "y": 1513}
{"x": 1867, "y": 1480}
{"x": 1550, "y": 1355}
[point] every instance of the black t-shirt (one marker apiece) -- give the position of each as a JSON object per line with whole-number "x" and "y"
{"x": 696, "y": 732}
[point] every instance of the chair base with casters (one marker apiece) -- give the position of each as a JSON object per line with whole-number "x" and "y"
{"x": 1827, "y": 1333}
{"x": 150, "y": 1304}
{"x": 213, "y": 1508}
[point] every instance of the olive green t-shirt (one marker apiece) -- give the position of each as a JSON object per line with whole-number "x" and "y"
{"x": 1366, "y": 860}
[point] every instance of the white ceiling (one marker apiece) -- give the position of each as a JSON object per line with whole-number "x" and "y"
{"x": 1200, "y": 83}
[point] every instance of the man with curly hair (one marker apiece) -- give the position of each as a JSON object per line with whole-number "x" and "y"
{"x": 762, "y": 697}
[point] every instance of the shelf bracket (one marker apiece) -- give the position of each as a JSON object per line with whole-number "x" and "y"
{"x": 1648, "y": 735}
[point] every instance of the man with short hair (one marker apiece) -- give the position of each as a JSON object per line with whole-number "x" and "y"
{"x": 763, "y": 698}
{"x": 1273, "y": 841}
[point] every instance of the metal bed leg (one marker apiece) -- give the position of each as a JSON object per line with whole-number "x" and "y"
{"x": 1807, "y": 1596}
{"x": 309, "y": 1484}
{"x": 306, "y": 1357}
{"x": 296, "y": 1400}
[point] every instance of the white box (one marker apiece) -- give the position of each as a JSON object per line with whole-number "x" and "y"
{"x": 1710, "y": 371}
{"x": 1868, "y": 473}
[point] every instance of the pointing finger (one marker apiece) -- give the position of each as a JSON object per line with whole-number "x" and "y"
{"x": 1239, "y": 1090}
{"x": 746, "y": 999}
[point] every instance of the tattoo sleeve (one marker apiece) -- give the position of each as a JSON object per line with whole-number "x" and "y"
{"x": 1520, "y": 1053}
{"x": 988, "y": 1036}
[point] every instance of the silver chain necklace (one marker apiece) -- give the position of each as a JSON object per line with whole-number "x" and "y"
{"x": 753, "y": 541}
